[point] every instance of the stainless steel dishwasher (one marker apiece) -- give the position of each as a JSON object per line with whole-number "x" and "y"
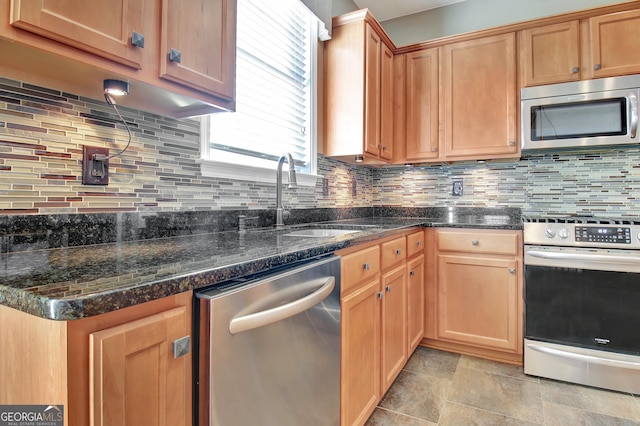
{"x": 269, "y": 349}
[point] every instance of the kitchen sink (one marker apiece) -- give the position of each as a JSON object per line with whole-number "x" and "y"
{"x": 319, "y": 232}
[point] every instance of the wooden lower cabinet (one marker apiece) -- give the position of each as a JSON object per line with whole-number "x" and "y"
{"x": 394, "y": 324}
{"x": 112, "y": 369}
{"x": 474, "y": 294}
{"x": 478, "y": 301}
{"x": 415, "y": 302}
{"x": 376, "y": 317}
{"x": 133, "y": 365}
{"x": 360, "y": 356}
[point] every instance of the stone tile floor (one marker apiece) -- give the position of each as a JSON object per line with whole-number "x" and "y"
{"x": 442, "y": 388}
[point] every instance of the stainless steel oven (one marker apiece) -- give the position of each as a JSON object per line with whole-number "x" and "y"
{"x": 582, "y": 301}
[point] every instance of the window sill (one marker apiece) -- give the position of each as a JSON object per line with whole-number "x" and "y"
{"x": 254, "y": 174}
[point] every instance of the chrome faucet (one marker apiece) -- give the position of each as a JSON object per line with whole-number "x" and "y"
{"x": 293, "y": 183}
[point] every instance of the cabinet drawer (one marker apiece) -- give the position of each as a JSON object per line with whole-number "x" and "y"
{"x": 394, "y": 252}
{"x": 358, "y": 267}
{"x": 415, "y": 244}
{"x": 495, "y": 242}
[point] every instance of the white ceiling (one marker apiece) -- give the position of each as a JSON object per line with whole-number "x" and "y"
{"x": 389, "y": 9}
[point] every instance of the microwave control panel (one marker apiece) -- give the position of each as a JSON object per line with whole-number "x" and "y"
{"x": 603, "y": 234}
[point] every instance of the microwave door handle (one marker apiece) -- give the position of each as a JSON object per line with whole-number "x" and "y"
{"x": 632, "y": 102}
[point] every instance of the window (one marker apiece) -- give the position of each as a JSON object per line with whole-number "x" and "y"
{"x": 275, "y": 95}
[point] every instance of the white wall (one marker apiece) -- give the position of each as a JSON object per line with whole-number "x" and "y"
{"x": 340, "y": 7}
{"x": 471, "y": 15}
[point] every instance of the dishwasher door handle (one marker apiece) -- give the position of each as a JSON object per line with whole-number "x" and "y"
{"x": 260, "y": 319}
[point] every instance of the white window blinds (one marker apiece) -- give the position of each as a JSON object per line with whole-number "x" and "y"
{"x": 273, "y": 88}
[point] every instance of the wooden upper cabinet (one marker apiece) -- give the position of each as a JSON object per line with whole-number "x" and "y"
{"x": 421, "y": 116}
{"x": 103, "y": 28}
{"x": 386, "y": 102}
{"x": 198, "y": 44}
{"x": 372, "y": 55}
{"x": 480, "y": 98}
{"x": 178, "y": 56}
{"x": 615, "y": 43}
{"x": 550, "y": 54}
{"x": 359, "y": 94}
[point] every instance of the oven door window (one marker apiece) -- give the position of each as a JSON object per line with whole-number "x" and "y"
{"x": 587, "y": 308}
{"x": 603, "y": 117}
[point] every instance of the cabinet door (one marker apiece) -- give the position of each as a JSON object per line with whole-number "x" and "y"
{"x": 615, "y": 43}
{"x": 415, "y": 302}
{"x": 360, "y": 354}
{"x": 422, "y": 105}
{"x": 478, "y": 301}
{"x": 386, "y": 102}
{"x": 103, "y": 27}
{"x": 480, "y": 99}
{"x": 135, "y": 378}
{"x": 198, "y": 45}
{"x": 394, "y": 324}
{"x": 373, "y": 48}
{"x": 550, "y": 54}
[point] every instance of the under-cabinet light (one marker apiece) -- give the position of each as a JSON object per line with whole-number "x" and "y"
{"x": 116, "y": 87}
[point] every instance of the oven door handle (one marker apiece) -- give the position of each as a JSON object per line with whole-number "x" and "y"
{"x": 269, "y": 316}
{"x": 584, "y": 257}
{"x": 586, "y": 358}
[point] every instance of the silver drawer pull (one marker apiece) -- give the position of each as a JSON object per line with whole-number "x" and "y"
{"x": 380, "y": 295}
{"x": 388, "y": 288}
{"x": 366, "y": 266}
{"x": 475, "y": 242}
{"x": 398, "y": 252}
{"x": 419, "y": 243}
{"x": 412, "y": 273}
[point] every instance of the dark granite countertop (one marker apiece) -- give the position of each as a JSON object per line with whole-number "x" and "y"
{"x": 75, "y": 282}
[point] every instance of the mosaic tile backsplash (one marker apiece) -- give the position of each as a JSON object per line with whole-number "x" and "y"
{"x": 42, "y": 132}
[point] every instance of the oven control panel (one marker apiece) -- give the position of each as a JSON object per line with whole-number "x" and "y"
{"x": 597, "y": 235}
{"x": 603, "y": 234}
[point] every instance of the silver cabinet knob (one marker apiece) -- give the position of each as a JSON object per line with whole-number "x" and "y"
{"x": 597, "y": 67}
{"x": 475, "y": 242}
{"x": 512, "y": 270}
{"x": 181, "y": 347}
{"x": 398, "y": 252}
{"x": 419, "y": 243}
{"x": 366, "y": 266}
{"x": 137, "y": 39}
{"x": 380, "y": 295}
{"x": 412, "y": 273}
{"x": 575, "y": 70}
{"x": 388, "y": 288}
{"x": 174, "y": 55}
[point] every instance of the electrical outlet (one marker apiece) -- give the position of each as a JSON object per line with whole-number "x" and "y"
{"x": 325, "y": 187}
{"x": 457, "y": 188}
{"x": 95, "y": 165}
{"x": 354, "y": 188}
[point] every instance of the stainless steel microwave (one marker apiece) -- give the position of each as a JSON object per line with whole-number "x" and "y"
{"x": 581, "y": 114}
